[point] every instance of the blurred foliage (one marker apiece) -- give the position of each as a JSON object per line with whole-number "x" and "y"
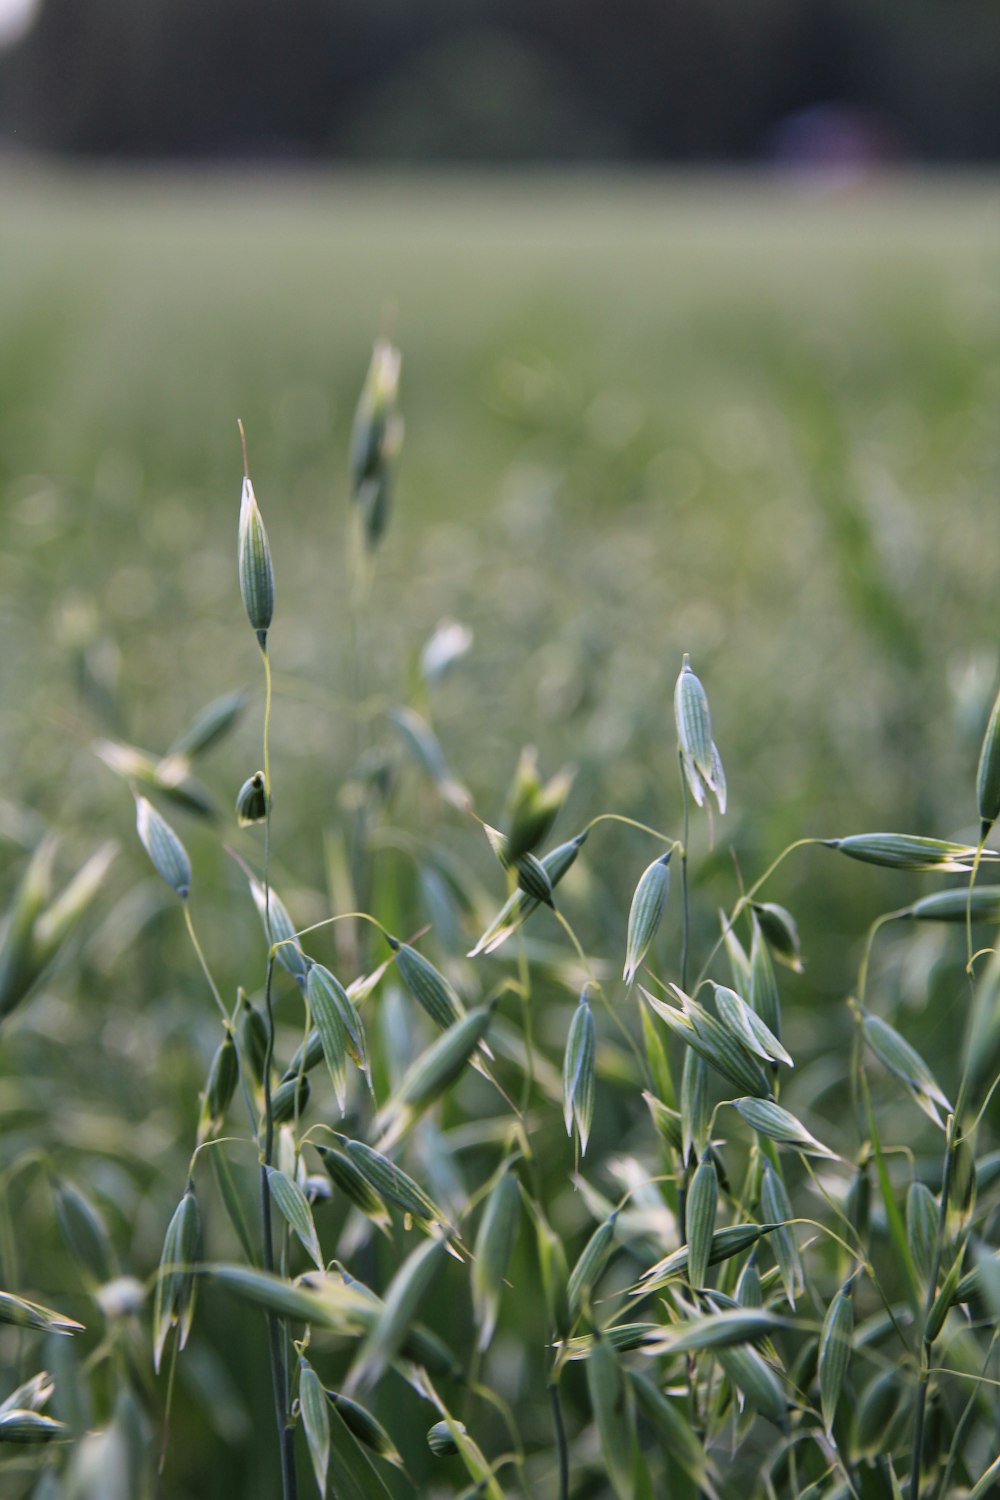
{"x": 641, "y": 418}
{"x": 510, "y": 80}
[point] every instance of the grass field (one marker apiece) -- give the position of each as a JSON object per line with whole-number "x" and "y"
{"x": 643, "y": 416}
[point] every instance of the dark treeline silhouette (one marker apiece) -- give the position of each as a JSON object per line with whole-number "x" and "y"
{"x": 508, "y": 80}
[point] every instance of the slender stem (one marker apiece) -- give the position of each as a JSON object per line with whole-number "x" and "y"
{"x": 204, "y": 965}
{"x": 276, "y": 1342}
{"x": 746, "y": 900}
{"x": 557, "y": 1422}
{"x": 267, "y": 731}
{"x": 289, "y": 1487}
{"x": 684, "y": 875}
{"x": 655, "y": 833}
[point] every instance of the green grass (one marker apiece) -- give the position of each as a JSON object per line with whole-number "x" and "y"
{"x": 643, "y": 417}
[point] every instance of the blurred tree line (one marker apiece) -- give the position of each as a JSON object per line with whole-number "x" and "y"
{"x": 505, "y": 80}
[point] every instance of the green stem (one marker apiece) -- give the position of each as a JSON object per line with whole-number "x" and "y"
{"x": 289, "y": 1488}
{"x": 276, "y": 1342}
{"x": 562, "y": 1449}
{"x": 684, "y": 876}
{"x": 204, "y": 964}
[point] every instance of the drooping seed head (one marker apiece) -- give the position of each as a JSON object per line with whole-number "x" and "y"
{"x": 494, "y": 1243}
{"x": 578, "y": 1073}
{"x": 835, "y": 1352}
{"x": 251, "y": 801}
{"x": 255, "y": 568}
{"x": 700, "y": 758}
{"x": 532, "y": 807}
{"x": 223, "y": 1076}
{"x": 702, "y": 1203}
{"x": 441, "y": 1440}
{"x": 290, "y": 1099}
{"x": 176, "y": 1284}
{"x": 377, "y": 433}
{"x": 164, "y": 848}
{"x": 645, "y": 913}
{"x": 85, "y": 1233}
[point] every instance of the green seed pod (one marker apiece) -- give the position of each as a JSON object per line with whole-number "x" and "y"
{"x": 757, "y": 1381}
{"x": 85, "y": 1233}
{"x": 666, "y": 1120}
{"x": 857, "y": 1204}
{"x": 777, "y": 1124}
{"x": 988, "y": 775}
{"x": 256, "y": 571}
{"x": 695, "y": 1114}
{"x": 748, "y": 1288}
{"x": 355, "y": 1186}
{"x": 210, "y": 726}
{"x": 339, "y": 1025}
{"x": 293, "y": 1206}
{"x": 432, "y": 1074}
{"x": 521, "y": 905}
{"x": 553, "y": 1271}
{"x": 164, "y": 848}
{"x": 779, "y": 928}
{"x": 727, "y": 1242}
{"x": 905, "y": 851}
{"x": 921, "y": 1228}
{"x": 176, "y": 1284}
{"x": 875, "y": 1412}
{"x": 279, "y": 929}
{"x": 315, "y": 1421}
{"x": 835, "y": 1352}
{"x": 23, "y": 1314}
{"x": 251, "y": 801}
{"x": 403, "y": 1296}
{"x": 588, "y": 1269}
{"x": 306, "y": 1057}
{"x": 390, "y": 1181}
{"x": 765, "y": 1000}
{"x": 533, "y": 879}
{"x": 702, "y": 1203}
{"x": 645, "y": 913}
{"x": 494, "y": 1244}
{"x": 944, "y": 1300}
{"x": 441, "y": 1441}
{"x": 721, "y": 1329}
{"x": 952, "y": 906}
{"x": 32, "y": 1395}
{"x": 376, "y": 434}
{"x": 775, "y": 1207}
{"x": 699, "y": 757}
{"x": 18, "y": 959}
{"x": 713, "y": 1041}
{"x": 253, "y": 1038}
{"x": 427, "y": 985}
{"x": 962, "y": 1196}
{"x": 22, "y": 1426}
{"x": 289, "y": 1099}
{"x": 905, "y": 1062}
{"x": 746, "y": 1023}
{"x": 220, "y": 1086}
{"x": 578, "y": 1073}
{"x": 532, "y": 807}
{"x": 366, "y": 1428}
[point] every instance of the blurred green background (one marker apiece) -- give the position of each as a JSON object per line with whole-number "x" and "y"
{"x": 644, "y": 415}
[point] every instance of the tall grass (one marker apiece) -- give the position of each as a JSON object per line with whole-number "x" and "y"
{"x": 530, "y": 1152}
